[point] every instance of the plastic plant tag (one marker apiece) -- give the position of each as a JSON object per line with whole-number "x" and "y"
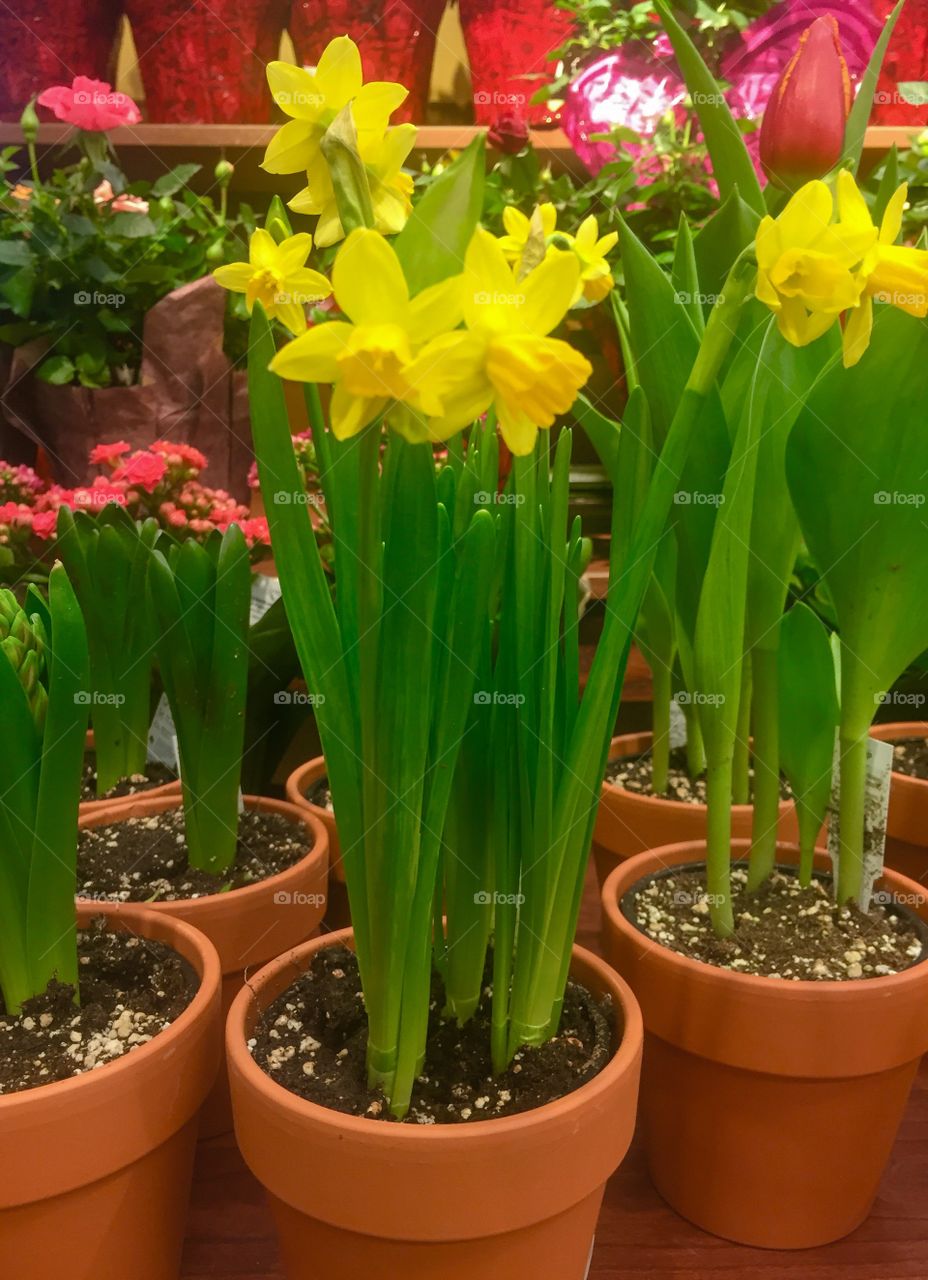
{"x": 265, "y": 591}
{"x": 241, "y": 801}
{"x": 162, "y": 738}
{"x": 879, "y": 776}
{"x": 677, "y": 725}
{"x": 589, "y": 1261}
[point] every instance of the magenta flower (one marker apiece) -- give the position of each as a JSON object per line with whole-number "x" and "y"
{"x": 90, "y": 104}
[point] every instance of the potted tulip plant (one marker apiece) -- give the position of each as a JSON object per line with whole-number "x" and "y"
{"x": 249, "y": 871}
{"x": 453, "y": 623}
{"x": 799, "y": 984}
{"x": 91, "y": 1023}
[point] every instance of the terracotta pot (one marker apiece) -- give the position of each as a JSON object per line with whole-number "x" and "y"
{"x": 515, "y": 1197}
{"x": 95, "y": 1175}
{"x": 396, "y": 39}
{"x": 90, "y": 807}
{"x": 509, "y": 46}
{"x": 203, "y": 63}
{"x": 48, "y": 42}
{"x": 298, "y": 786}
{"x": 907, "y": 826}
{"x": 768, "y": 1108}
{"x": 247, "y": 926}
{"x": 628, "y": 824}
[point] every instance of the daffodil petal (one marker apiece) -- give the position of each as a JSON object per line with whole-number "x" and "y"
{"x": 262, "y": 249}
{"x": 305, "y": 202}
{"x": 490, "y": 292}
{"x": 338, "y": 72}
{"x": 548, "y": 291}
{"x": 436, "y": 309}
{"x": 375, "y": 103}
{"x": 291, "y": 147}
{"x": 852, "y": 207}
{"x": 329, "y": 229}
{"x": 892, "y": 217}
{"x": 293, "y": 252}
{"x": 806, "y": 216}
{"x": 368, "y": 280}
{"x": 291, "y": 315}
{"x": 312, "y": 357}
{"x": 308, "y": 285}
{"x": 857, "y": 330}
{"x": 235, "y": 276}
{"x": 295, "y": 91}
{"x": 350, "y": 414}
{"x": 391, "y": 208}
{"x": 516, "y": 223}
{"x": 800, "y": 327}
{"x": 516, "y": 428}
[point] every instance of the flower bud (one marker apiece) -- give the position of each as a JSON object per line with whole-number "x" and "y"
{"x": 509, "y": 134}
{"x": 223, "y": 172}
{"x": 29, "y": 122}
{"x": 802, "y": 135}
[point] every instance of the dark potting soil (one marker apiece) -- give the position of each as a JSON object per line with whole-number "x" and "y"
{"x": 130, "y": 990}
{"x": 312, "y": 1040}
{"x": 145, "y": 859}
{"x": 320, "y": 795}
{"x": 155, "y": 775}
{"x": 781, "y": 931}
{"x": 633, "y": 773}
{"x": 910, "y": 756}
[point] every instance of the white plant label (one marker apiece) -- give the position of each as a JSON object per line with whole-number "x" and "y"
{"x": 264, "y": 592}
{"x": 162, "y": 738}
{"x": 677, "y": 725}
{"x": 589, "y": 1261}
{"x": 876, "y": 811}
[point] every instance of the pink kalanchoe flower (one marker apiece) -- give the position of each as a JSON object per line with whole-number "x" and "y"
{"x": 180, "y": 454}
{"x": 109, "y": 453}
{"x": 144, "y": 469}
{"x": 90, "y": 104}
{"x": 44, "y": 524}
{"x": 126, "y": 203}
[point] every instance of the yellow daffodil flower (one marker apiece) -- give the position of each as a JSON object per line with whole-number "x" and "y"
{"x": 314, "y": 98}
{"x": 506, "y": 358}
{"x": 595, "y": 274}
{"x": 891, "y": 273}
{"x": 391, "y": 189}
{"x": 277, "y": 277}
{"x": 371, "y": 357}
{"x": 807, "y": 264}
{"x": 519, "y": 229}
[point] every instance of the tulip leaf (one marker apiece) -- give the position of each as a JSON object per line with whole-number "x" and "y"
{"x": 856, "y": 130}
{"x": 731, "y": 162}
{"x": 808, "y": 719}
{"x": 889, "y": 181}
{"x": 719, "y": 241}
{"x": 432, "y": 245}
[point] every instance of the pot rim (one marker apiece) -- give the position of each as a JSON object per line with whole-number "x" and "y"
{"x": 905, "y": 729}
{"x": 619, "y": 750}
{"x": 238, "y": 1025}
{"x": 135, "y": 916}
{"x": 318, "y": 850}
{"x": 306, "y": 774}
{"x": 638, "y": 868}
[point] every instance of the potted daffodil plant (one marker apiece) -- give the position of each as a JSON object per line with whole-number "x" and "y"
{"x": 463, "y": 761}
{"x": 781, "y": 987}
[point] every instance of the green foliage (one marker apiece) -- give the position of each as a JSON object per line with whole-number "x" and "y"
{"x": 200, "y": 597}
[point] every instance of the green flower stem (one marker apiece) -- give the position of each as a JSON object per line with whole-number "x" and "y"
{"x": 764, "y": 666}
{"x": 741, "y": 771}
{"x": 661, "y": 692}
{"x": 857, "y": 703}
{"x": 695, "y": 746}
{"x": 718, "y": 846}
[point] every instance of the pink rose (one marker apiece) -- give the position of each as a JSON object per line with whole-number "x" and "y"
{"x": 90, "y": 104}
{"x": 144, "y": 469}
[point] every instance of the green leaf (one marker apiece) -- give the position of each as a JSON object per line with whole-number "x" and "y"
{"x": 731, "y": 161}
{"x": 719, "y": 241}
{"x": 58, "y": 370}
{"x": 889, "y": 181}
{"x": 856, "y": 130}
{"x": 132, "y": 226}
{"x": 170, "y": 183}
{"x": 433, "y": 243}
{"x": 14, "y": 253}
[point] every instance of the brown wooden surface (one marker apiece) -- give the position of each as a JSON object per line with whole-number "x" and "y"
{"x": 231, "y": 1236}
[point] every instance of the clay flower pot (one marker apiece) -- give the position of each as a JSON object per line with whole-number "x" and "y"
{"x": 509, "y": 46}
{"x": 769, "y": 1108}
{"x": 298, "y": 786}
{"x": 96, "y": 1170}
{"x": 518, "y": 1196}
{"x": 907, "y": 826}
{"x": 628, "y": 823}
{"x": 48, "y": 42}
{"x": 91, "y": 807}
{"x": 247, "y": 926}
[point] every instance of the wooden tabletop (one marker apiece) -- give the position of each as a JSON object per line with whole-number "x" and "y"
{"x": 231, "y": 1235}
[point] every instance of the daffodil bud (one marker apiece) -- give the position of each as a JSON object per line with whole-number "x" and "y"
{"x": 802, "y": 135}
{"x": 29, "y": 122}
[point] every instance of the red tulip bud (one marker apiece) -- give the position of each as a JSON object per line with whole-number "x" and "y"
{"x": 802, "y": 136}
{"x": 509, "y": 134}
